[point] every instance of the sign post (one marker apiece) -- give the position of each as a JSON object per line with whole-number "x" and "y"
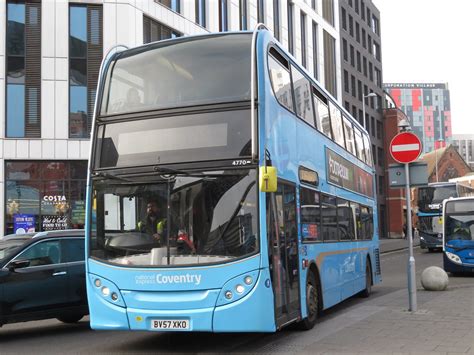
{"x": 405, "y": 148}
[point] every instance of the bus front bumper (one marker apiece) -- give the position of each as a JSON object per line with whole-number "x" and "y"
{"x": 253, "y": 312}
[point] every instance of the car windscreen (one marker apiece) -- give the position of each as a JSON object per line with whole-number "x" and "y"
{"x": 179, "y": 73}
{"x": 430, "y": 198}
{"x": 10, "y": 247}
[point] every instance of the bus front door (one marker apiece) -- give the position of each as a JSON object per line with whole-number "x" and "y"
{"x": 283, "y": 252}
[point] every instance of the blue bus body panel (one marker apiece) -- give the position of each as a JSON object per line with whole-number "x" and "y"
{"x": 291, "y": 143}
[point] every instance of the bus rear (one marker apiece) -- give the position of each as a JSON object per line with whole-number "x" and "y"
{"x": 458, "y": 235}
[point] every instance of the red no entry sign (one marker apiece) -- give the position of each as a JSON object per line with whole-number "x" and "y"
{"x": 405, "y": 147}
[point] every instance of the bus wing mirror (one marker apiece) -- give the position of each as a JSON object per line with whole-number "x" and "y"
{"x": 268, "y": 179}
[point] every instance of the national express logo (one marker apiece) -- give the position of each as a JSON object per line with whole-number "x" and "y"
{"x": 162, "y": 279}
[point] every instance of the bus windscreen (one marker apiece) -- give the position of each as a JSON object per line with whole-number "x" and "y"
{"x": 196, "y": 71}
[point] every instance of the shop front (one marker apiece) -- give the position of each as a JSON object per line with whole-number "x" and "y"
{"x": 44, "y": 195}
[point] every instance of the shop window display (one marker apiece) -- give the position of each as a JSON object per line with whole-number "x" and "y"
{"x": 44, "y": 195}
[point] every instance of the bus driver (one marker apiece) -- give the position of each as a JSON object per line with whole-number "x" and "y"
{"x": 153, "y": 224}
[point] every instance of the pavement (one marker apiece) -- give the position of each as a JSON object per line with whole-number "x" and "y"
{"x": 442, "y": 324}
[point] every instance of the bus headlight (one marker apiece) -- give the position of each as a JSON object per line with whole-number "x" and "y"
{"x": 241, "y": 284}
{"x": 454, "y": 258}
{"x": 106, "y": 290}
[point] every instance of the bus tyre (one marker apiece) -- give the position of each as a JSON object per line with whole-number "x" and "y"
{"x": 368, "y": 280}
{"x": 70, "y": 318}
{"x": 312, "y": 302}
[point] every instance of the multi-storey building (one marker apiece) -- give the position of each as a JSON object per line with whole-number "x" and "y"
{"x": 362, "y": 93}
{"x": 50, "y": 53}
{"x": 464, "y": 144}
{"x": 428, "y": 107}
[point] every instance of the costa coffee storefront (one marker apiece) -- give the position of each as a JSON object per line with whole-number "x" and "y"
{"x": 44, "y": 195}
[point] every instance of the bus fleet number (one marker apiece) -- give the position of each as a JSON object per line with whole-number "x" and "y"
{"x": 241, "y": 162}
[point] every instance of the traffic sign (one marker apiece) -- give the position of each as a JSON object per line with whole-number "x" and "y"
{"x": 405, "y": 147}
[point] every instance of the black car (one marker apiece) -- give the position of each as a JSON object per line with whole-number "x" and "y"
{"x": 43, "y": 276}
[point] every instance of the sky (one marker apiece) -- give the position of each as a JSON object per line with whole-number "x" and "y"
{"x": 431, "y": 41}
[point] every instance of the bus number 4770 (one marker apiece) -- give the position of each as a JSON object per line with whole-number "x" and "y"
{"x": 241, "y": 162}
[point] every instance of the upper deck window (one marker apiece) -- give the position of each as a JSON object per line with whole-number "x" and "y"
{"x": 302, "y": 88}
{"x": 336, "y": 122}
{"x": 175, "y": 74}
{"x": 280, "y": 77}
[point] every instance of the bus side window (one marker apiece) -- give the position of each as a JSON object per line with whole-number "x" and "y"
{"x": 368, "y": 152}
{"x": 310, "y": 209}
{"x": 359, "y": 144}
{"x": 349, "y": 135}
{"x": 329, "y": 218}
{"x": 345, "y": 221}
{"x": 322, "y": 114}
{"x": 358, "y": 223}
{"x": 301, "y": 87}
{"x": 336, "y": 122}
{"x": 280, "y": 79}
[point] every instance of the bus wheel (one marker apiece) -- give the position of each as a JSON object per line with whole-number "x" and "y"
{"x": 368, "y": 280}
{"x": 312, "y": 302}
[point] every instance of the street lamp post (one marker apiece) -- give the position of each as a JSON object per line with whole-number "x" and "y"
{"x": 372, "y": 94}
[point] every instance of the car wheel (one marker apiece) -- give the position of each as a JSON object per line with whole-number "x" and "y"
{"x": 430, "y": 250}
{"x": 312, "y": 302}
{"x": 70, "y": 318}
{"x": 368, "y": 280}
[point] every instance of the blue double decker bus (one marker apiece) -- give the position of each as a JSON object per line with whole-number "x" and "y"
{"x": 227, "y": 191}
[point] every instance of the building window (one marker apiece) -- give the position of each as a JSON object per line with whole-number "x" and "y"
{"x": 371, "y": 72}
{"x": 303, "y": 38}
{"x": 276, "y": 19}
{"x": 223, "y": 16}
{"x": 357, "y": 32}
{"x": 172, "y": 4}
{"x": 364, "y": 39}
{"x": 23, "y": 70}
{"x": 376, "y": 51}
{"x": 351, "y": 26}
{"x": 359, "y": 69}
{"x": 261, "y": 11}
{"x": 379, "y": 129}
{"x": 328, "y": 11}
{"x": 200, "y": 12}
{"x": 243, "y": 14}
{"x": 375, "y": 25}
{"x": 85, "y": 56}
{"x": 378, "y": 77}
{"x": 346, "y": 81}
{"x": 359, "y": 90}
{"x": 290, "y": 28}
{"x": 344, "y": 49}
{"x": 353, "y": 85}
{"x": 364, "y": 65}
{"x": 47, "y": 194}
{"x": 362, "y": 10}
{"x": 154, "y": 31}
{"x": 343, "y": 18}
{"x": 315, "y": 50}
{"x": 330, "y": 63}
{"x": 351, "y": 48}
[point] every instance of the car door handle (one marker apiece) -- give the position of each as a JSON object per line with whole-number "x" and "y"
{"x": 60, "y": 273}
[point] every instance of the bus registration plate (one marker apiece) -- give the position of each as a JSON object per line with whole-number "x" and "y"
{"x": 171, "y": 324}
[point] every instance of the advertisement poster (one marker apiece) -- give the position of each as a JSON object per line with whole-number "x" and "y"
{"x": 23, "y": 223}
{"x": 341, "y": 172}
{"x": 49, "y": 223}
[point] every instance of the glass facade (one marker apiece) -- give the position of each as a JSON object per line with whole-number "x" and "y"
{"x": 85, "y": 55}
{"x": 44, "y": 195}
{"x": 23, "y": 81}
